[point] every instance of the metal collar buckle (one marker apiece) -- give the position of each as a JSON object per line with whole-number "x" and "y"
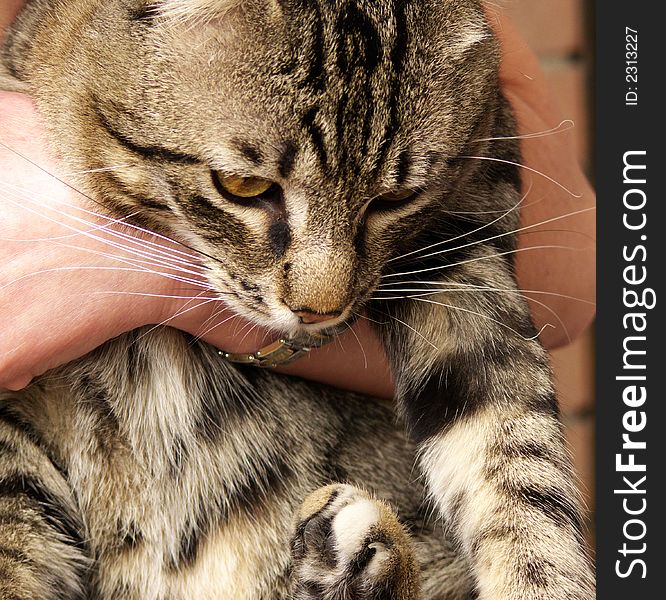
{"x": 281, "y": 352}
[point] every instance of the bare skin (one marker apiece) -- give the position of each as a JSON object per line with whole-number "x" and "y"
{"x": 8, "y": 11}
{"x": 59, "y": 298}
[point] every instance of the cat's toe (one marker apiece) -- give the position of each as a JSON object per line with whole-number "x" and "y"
{"x": 347, "y": 544}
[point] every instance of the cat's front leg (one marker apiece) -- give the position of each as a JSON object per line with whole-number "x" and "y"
{"x": 475, "y": 390}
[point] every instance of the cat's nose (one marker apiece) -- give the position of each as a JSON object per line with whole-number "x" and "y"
{"x": 309, "y": 317}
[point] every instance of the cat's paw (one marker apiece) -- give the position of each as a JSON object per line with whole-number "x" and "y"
{"x": 349, "y": 545}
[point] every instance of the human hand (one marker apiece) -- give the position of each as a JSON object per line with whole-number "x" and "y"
{"x": 61, "y": 291}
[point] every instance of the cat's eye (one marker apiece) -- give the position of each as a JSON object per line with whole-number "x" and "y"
{"x": 234, "y": 187}
{"x": 392, "y": 199}
{"x": 400, "y": 196}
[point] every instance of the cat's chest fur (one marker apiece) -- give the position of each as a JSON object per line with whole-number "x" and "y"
{"x": 173, "y": 495}
{"x": 185, "y": 473}
{"x": 167, "y": 556}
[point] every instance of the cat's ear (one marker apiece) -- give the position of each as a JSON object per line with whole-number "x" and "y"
{"x": 188, "y": 10}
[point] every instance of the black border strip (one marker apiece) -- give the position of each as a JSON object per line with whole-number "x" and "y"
{"x": 626, "y": 567}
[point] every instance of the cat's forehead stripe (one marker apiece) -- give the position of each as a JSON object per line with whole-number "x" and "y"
{"x": 308, "y": 121}
{"x": 316, "y": 74}
{"x": 342, "y": 132}
{"x": 398, "y": 53}
{"x": 250, "y": 152}
{"x": 150, "y": 152}
{"x": 287, "y": 159}
{"x": 403, "y": 168}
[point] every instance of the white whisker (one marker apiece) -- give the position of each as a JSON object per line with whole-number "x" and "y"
{"x": 465, "y": 286}
{"x": 186, "y": 256}
{"x": 212, "y": 328}
{"x": 216, "y": 313}
{"x": 142, "y": 265}
{"x": 184, "y": 310}
{"x": 587, "y": 236}
{"x": 478, "y": 314}
{"x": 470, "y": 260}
{"x": 365, "y": 358}
{"x": 249, "y": 331}
{"x": 148, "y": 295}
{"x": 501, "y": 235}
{"x": 74, "y": 189}
{"x": 504, "y": 214}
{"x": 96, "y": 227}
{"x": 64, "y": 269}
{"x": 475, "y": 288}
{"x": 424, "y": 338}
{"x": 519, "y": 230}
{"x": 338, "y": 342}
{"x": 366, "y": 318}
{"x": 142, "y": 260}
{"x": 531, "y": 169}
{"x": 565, "y": 125}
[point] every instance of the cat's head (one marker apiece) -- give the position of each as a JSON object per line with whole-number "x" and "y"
{"x": 298, "y": 144}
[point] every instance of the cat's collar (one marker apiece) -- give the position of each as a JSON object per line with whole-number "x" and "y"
{"x": 281, "y": 352}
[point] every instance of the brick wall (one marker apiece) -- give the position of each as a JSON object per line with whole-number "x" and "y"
{"x": 558, "y": 31}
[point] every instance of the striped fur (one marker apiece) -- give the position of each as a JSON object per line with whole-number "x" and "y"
{"x": 195, "y": 495}
{"x": 151, "y": 468}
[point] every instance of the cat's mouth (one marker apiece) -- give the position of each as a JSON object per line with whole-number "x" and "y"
{"x": 317, "y": 335}
{"x": 310, "y": 323}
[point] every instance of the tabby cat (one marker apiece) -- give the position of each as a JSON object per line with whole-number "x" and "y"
{"x": 315, "y": 155}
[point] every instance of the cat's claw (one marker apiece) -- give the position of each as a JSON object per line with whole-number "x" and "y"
{"x": 349, "y": 545}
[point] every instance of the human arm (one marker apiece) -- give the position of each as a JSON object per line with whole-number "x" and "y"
{"x": 566, "y": 273}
